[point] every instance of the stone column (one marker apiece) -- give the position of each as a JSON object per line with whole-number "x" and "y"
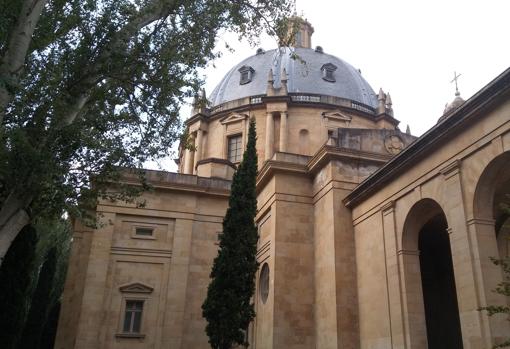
{"x": 283, "y": 131}
{"x": 174, "y": 322}
{"x": 198, "y": 150}
{"x": 269, "y": 136}
{"x": 93, "y": 311}
{"x": 466, "y": 257}
{"x": 393, "y": 275}
{"x": 487, "y": 275}
{"x": 188, "y": 158}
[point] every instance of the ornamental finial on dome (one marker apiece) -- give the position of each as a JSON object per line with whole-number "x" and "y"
{"x": 283, "y": 79}
{"x": 456, "y": 78}
{"x": 381, "y": 98}
{"x": 270, "y": 76}
{"x": 389, "y": 103}
{"x": 270, "y": 80}
{"x": 457, "y": 101}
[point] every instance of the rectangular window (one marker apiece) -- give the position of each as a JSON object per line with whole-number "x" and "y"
{"x": 235, "y": 148}
{"x": 133, "y": 317}
{"x": 141, "y": 231}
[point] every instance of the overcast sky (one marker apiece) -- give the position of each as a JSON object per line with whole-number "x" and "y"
{"x": 409, "y": 48}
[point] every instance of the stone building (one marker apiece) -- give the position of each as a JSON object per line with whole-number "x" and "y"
{"x": 369, "y": 237}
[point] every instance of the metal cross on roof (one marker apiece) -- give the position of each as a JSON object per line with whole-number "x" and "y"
{"x": 455, "y": 78}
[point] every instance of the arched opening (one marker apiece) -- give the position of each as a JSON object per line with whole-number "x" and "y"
{"x": 492, "y": 202}
{"x": 432, "y": 309}
{"x": 491, "y": 224}
{"x": 438, "y": 285}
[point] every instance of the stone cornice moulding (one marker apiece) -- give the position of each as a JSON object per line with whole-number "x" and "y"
{"x": 217, "y": 161}
{"x": 481, "y": 221}
{"x": 336, "y": 115}
{"x": 232, "y": 118}
{"x": 196, "y": 187}
{"x": 136, "y": 287}
{"x": 326, "y": 154}
{"x": 451, "y": 169}
{"x": 195, "y": 118}
{"x": 388, "y": 208}
{"x": 329, "y": 152}
{"x": 388, "y": 118}
{"x": 270, "y": 167}
{"x": 408, "y": 252}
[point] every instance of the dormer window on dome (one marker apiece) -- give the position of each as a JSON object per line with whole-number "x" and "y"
{"x": 328, "y": 72}
{"x": 246, "y": 74}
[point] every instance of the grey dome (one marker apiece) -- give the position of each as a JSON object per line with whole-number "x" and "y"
{"x": 302, "y": 77}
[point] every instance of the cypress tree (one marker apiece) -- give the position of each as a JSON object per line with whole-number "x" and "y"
{"x": 228, "y": 308}
{"x": 50, "y": 328}
{"x": 16, "y": 286}
{"x": 41, "y": 303}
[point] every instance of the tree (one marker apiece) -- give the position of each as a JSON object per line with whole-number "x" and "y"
{"x": 50, "y": 328}
{"x": 89, "y": 87}
{"x": 52, "y": 259}
{"x": 16, "y": 275}
{"x": 228, "y": 308}
{"x": 41, "y": 303}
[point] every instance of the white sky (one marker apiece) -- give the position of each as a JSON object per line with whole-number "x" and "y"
{"x": 409, "y": 48}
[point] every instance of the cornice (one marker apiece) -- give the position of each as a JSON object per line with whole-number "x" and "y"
{"x": 270, "y": 167}
{"x": 195, "y": 118}
{"x": 329, "y": 152}
{"x": 216, "y": 161}
{"x": 325, "y": 154}
{"x": 388, "y": 118}
{"x": 180, "y": 182}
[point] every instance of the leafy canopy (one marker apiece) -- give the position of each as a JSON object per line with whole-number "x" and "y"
{"x": 99, "y": 88}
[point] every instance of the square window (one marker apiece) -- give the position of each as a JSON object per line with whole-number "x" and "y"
{"x": 235, "y": 148}
{"x": 133, "y": 316}
{"x": 328, "y": 72}
{"x": 144, "y": 231}
{"x": 246, "y": 74}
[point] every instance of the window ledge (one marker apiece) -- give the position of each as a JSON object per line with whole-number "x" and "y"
{"x": 130, "y": 335}
{"x": 143, "y": 237}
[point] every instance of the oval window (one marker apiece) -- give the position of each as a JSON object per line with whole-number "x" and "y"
{"x": 264, "y": 282}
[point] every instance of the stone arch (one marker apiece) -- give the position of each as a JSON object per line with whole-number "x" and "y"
{"x": 431, "y": 307}
{"x": 421, "y": 212}
{"x": 495, "y": 177}
{"x": 491, "y": 202}
{"x": 490, "y": 226}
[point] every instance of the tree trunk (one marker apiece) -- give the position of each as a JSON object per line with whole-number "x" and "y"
{"x": 14, "y": 57}
{"x": 13, "y": 217}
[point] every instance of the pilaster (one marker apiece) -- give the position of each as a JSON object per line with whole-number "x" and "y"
{"x": 269, "y": 149}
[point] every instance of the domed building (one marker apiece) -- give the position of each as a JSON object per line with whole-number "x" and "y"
{"x": 369, "y": 237}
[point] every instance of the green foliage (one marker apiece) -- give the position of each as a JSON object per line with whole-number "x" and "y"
{"x": 228, "y": 308}
{"x": 503, "y": 288}
{"x": 100, "y": 90}
{"x": 16, "y": 286}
